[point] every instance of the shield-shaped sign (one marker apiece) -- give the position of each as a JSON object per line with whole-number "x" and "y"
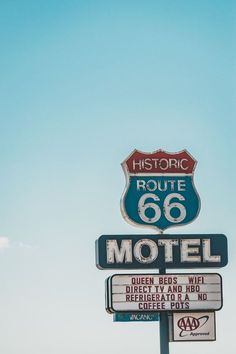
{"x": 160, "y": 191}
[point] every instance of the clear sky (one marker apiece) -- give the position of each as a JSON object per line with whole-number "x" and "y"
{"x": 82, "y": 84}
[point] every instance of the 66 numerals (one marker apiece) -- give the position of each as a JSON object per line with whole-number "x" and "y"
{"x": 168, "y": 205}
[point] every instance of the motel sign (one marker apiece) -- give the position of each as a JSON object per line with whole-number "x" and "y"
{"x": 165, "y": 251}
{"x": 160, "y": 194}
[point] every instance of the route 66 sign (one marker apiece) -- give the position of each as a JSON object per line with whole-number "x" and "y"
{"x": 159, "y": 190}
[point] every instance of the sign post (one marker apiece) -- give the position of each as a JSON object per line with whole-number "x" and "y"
{"x": 160, "y": 185}
{"x": 160, "y": 194}
{"x": 164, "y": 328}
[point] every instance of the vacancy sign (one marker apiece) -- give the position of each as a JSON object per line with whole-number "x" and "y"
{"x": 169, "y": 292}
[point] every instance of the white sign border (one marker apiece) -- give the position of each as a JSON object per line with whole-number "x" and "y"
{"x": 173, "y": 336}
{"x": 109, "y": 302}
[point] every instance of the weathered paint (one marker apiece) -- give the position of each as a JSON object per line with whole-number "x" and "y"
{"x": 162, "y": 251}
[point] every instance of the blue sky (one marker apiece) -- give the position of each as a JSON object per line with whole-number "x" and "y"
{"x": 83, "y": 83}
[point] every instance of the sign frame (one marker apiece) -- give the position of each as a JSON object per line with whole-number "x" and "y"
{"x": 217, "y": 246}
{"x": 110, "y": 306}
{"x": 194, "y": 316}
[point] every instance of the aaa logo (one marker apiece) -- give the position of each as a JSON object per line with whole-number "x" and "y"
{"x": 190, "y": 323}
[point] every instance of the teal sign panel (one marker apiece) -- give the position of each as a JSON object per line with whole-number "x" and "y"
{"x": 136, "y": 317}
{"x": 161, "y": 251}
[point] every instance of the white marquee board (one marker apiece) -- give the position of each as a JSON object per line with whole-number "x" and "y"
{"x": 169, "y": 292}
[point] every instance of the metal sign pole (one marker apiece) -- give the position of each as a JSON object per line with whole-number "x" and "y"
{"x": 164, "y": 328}
{"x": 164, "y": 324}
